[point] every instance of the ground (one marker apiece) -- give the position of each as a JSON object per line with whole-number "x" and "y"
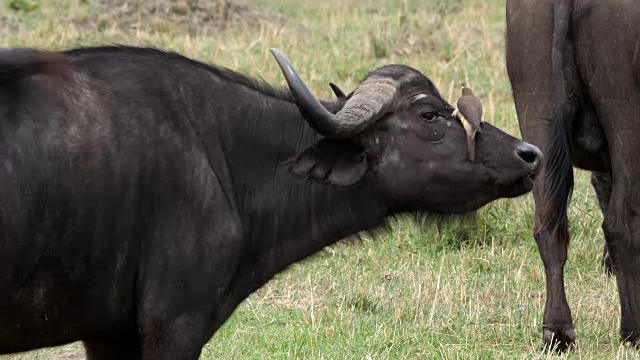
{"x": 468, "y": 289}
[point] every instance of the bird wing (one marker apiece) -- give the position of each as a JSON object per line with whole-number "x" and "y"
{"x": 471, "y": 108}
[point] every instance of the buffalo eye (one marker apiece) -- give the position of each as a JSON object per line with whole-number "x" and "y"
{"x": 429, "y": 115}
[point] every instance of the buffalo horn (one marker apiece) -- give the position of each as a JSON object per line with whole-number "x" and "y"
{"x": 366, "y": 105}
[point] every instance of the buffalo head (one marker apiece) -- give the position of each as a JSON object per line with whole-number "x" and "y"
{"x": 397, "y": 131}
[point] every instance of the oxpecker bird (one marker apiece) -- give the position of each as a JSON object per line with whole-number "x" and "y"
{"x": 469, "y": 111}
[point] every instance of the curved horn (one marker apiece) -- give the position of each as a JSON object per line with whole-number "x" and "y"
{"x": 316, "y": 115}
{"x": 365, "y": 106}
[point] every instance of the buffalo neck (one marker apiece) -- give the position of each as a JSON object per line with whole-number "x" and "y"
{"x": 285, "y": 218}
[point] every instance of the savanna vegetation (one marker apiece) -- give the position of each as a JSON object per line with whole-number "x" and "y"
{"x": 466, "y": 288}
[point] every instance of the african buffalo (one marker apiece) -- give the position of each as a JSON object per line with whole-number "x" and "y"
{"x": 574, "y": 68}
{"x": 145, "y": 195}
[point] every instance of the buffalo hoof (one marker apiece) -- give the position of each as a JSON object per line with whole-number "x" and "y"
{"x": 559, "y": 340}
{"x": 630, "y": 339}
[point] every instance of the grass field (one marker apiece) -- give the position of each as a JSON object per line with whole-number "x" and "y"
{"x": 464, "y": 289}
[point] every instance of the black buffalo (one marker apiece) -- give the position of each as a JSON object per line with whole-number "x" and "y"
{"x": 144, "y": 195}
{"x": 574, "y": 67}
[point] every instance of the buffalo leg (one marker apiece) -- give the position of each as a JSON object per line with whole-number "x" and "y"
{"x": 112, "y": 349}
{"x": 601, "y": 183}
{"x": 622, "y": 221}
{"x": 622, "y": 233}
{"x": 181, "y": 292}
{"x": 180, "y": 338}
{"x": 558, "y": 330}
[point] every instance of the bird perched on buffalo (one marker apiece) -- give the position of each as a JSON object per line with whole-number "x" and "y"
{"x": 469, "y": 111}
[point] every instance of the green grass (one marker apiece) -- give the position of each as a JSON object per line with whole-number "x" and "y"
{"x": 454, "y": 290}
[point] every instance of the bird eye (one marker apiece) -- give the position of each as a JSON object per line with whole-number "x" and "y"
{"x": 428, "y": 115}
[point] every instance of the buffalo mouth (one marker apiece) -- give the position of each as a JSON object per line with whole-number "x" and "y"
{"x": 518, "y": 187}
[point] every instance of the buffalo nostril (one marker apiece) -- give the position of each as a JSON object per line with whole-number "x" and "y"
{"x": 529, "y": 153}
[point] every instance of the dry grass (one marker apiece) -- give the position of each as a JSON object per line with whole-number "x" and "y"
{"x": 460, "y": 290}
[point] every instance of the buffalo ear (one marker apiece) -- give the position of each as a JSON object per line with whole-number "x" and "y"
{"x": 329, "y": 161}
